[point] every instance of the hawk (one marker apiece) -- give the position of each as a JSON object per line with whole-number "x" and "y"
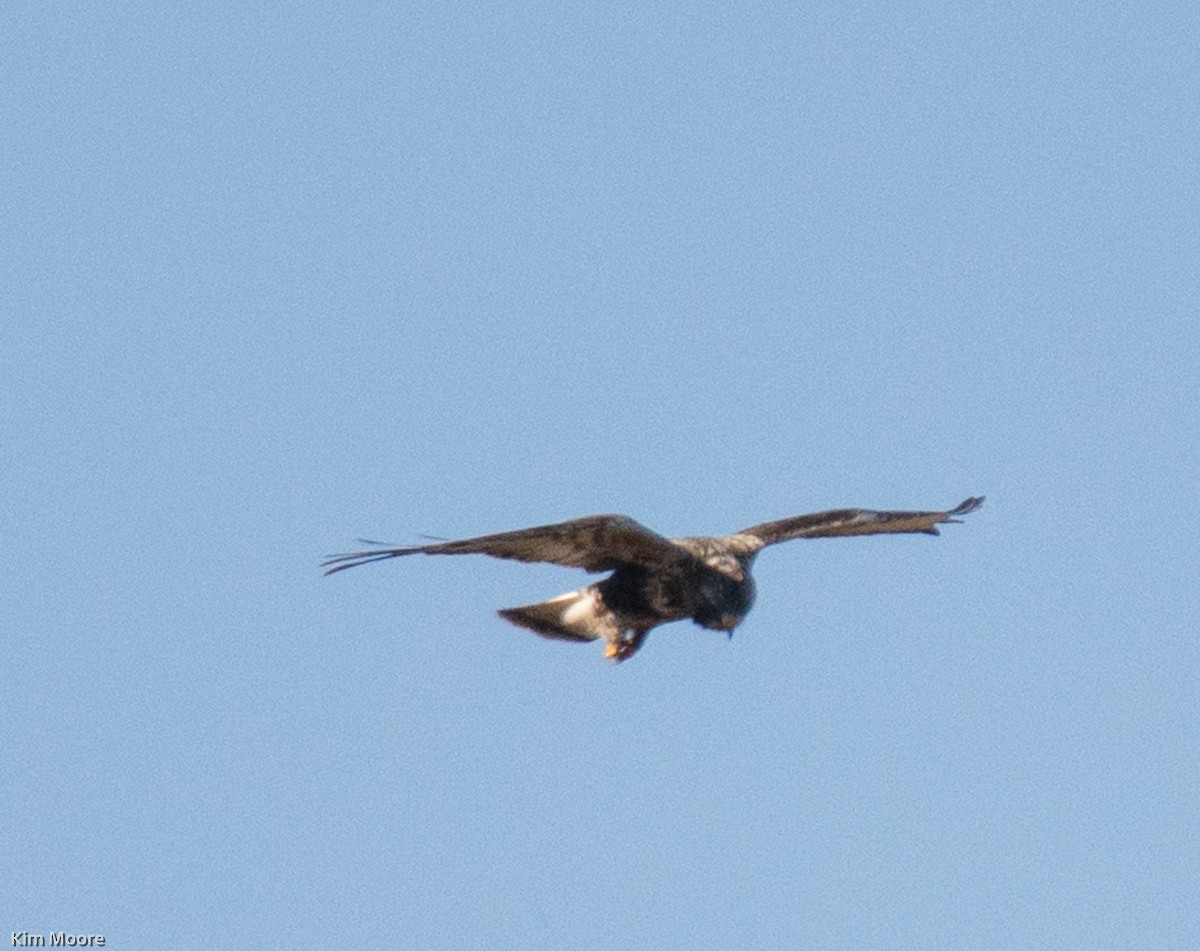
{"x": 654, "y": 580}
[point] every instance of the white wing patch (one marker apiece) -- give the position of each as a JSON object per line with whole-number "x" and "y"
{"x": 583, "y": 610}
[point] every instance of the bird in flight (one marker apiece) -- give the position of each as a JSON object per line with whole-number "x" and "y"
{"x": 654, "y": 580}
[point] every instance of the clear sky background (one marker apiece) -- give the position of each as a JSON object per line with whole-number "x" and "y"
{"x": 277, "y": 276}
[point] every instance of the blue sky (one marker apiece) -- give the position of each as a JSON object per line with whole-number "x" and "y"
{"x": 277, "y": 276}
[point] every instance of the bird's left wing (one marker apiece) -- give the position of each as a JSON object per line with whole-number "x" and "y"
{"x": 856, "y": 522}
{"x": 595, "y": 543}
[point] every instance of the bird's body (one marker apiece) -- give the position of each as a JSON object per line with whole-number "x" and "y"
{"x": 654, "y": 580}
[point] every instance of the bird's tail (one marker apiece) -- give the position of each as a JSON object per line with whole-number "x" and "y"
{"x": 574, "y": 616}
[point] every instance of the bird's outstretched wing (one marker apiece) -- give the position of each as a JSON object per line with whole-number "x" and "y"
{"x": 856, "y": 522}
{"x": 595, "y": 543}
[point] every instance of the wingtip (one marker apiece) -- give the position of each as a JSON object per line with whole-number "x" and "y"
{"x": 335, "y": 563}
{"x": 968, "y": 506}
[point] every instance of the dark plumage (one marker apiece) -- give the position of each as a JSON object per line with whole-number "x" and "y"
{"x": 654, "y": 579}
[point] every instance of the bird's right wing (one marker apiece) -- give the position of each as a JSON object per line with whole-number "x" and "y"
{"x": 856, "y": 522}
{"x": 595, "y": 543}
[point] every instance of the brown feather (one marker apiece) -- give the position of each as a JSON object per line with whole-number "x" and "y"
{"x": 839, "y": 522}
{"x": 594, "y": 543}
